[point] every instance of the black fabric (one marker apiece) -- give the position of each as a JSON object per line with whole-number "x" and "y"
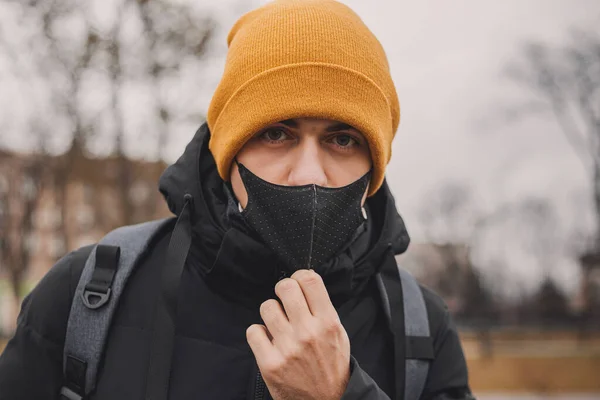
{"x": 305, "y": 226}
{"x": 393, "y": 287}
{"x": 225, "y": 277}
{"x": 75, "y": 370}
{"x": 165, "y": 319}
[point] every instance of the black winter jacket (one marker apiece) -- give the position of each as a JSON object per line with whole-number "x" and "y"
{"x": 228, "y": 274}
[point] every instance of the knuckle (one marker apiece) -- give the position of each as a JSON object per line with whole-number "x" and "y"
{"x": 272, "y": 368}
{"x": 292, "y": 353}
{"x": 331, "y": 325}
{"x": 307, "y": 338}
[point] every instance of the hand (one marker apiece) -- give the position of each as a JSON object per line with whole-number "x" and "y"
{"x": 304, "y": 352}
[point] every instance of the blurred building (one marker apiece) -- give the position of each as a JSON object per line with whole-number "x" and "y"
{"x": 50, "y": 205}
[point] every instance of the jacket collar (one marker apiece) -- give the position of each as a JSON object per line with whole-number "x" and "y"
{"x": 236, "y": 264}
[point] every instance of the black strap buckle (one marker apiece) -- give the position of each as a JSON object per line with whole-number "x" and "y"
{"x": 95, "y": 299}
{"x": 97, "y": 292}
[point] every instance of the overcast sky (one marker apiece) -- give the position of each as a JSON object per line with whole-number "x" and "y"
{"x": 447, "y": 59}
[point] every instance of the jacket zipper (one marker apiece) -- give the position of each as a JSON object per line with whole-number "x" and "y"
{"x": 260, "y": 388}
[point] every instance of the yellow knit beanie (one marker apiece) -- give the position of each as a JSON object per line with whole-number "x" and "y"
{"x": 303, "y": 58}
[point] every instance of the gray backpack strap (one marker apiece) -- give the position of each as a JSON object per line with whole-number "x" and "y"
{"x": 419, "y": 346}
{"x": 92, "y": 309}
{"x": 413, "y": 317}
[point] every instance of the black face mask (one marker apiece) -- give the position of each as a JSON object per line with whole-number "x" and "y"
{"x": 304, "y": 225}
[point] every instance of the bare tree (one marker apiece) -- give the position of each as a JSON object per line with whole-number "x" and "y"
{"x": 59, "y": 63}
{"x": 70, "y": 64}
{"x": 448, "y": 216}
{"x": 447, "y": 212}
{"x": 566, "y": 82}
{"x": 172, "y": 36}
{"x": 23, "y": 180}
{"x": 459, "y": 232}
{"x": 19, "y": 203}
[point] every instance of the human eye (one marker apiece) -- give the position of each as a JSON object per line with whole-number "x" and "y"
{"x": 344, "y": 141}
{"x": 274, "y": 135}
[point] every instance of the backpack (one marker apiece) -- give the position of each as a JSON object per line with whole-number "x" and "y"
{"x": 113, "y": 259}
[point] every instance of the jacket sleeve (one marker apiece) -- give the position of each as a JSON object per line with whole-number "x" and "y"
{"x": 361, "y": 386}
{"x": 447, "y": 378}
{"x": 31, "y": 363}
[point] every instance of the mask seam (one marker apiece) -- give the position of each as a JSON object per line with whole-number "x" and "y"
{"x": 312, "y": 228}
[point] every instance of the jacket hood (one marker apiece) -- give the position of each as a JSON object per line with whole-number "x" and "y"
{"x": 235, "y": 262}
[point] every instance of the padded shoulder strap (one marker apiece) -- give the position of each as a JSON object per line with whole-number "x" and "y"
{"x": 89, "y": 322}
{"x": 408, "y": 314}
{"x": 419, "y": 346}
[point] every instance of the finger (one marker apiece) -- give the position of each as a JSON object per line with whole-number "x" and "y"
{"x": 275, "y": 319}
{"x": 261, "y": 346}
{"x": 291, "y": 295}
{"x": 315, "y": 293}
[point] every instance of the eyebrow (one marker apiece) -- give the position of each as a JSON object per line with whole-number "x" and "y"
{"x": 289, "y": 123}
{"x": 339, "y": 127}
{"x": 333, "y": 128}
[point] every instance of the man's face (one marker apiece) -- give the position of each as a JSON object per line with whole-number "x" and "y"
{"x": 304, "y": 151}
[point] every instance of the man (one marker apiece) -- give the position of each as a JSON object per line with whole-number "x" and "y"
{"x": 290, "y": 221}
